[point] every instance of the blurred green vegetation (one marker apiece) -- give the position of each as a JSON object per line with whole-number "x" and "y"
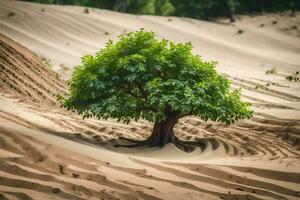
{"x": 199, "y": 9}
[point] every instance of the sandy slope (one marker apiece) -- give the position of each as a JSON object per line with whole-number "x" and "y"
{"x": 42, "y": 150}
{"x": 63, "y": 34}
{"x": 46, "y": 152}
{"x": 22, "y": 73}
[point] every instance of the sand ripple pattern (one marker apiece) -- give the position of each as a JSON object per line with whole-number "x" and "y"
{"x": 231, "y": 164}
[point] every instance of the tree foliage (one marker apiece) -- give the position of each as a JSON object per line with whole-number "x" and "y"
{"x": 142, "y": 77}
{"x": 200, "y": 9}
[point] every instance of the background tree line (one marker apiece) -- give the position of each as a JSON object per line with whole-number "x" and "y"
{"x": 199, "y": 9}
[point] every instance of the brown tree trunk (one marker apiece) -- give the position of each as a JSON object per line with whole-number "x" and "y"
{"x": 163, "y": 132}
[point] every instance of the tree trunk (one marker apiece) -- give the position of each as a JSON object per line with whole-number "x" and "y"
{"x": 293, "y": 8}
{"x": 259, "y": 6}
{"x": 121, "y": 5}
{"x": 232, "y": 17}
{"x": 163, "y": 132}
{"x": 231, "y": 10}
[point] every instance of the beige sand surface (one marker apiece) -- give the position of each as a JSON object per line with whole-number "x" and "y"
{"x": 49, "y": 153}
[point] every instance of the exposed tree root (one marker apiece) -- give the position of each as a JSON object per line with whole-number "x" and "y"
{"x": 187, "y": 146}
{"x": 133, "y": 144}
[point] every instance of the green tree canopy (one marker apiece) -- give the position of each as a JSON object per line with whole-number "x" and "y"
{"x": 156, "y": 80}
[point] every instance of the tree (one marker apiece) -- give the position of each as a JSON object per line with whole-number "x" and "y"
{"x": 293, "y": 8}
{"x": 231, "y": 10}
{"x": 152, "y": 7}
{"x": 121, "y": 5}
{"x": 140, "y": 77}
{"x": 142, "y": 7}
{"x": 164, "y": 7}
{"x": 199, "y": 9}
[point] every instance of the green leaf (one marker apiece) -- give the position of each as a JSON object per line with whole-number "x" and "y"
{"x": 142, "y": 77}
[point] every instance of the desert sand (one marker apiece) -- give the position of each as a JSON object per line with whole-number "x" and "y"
{"x": 47, "y": 152}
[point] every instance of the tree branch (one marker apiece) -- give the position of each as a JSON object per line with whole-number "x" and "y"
{"x": 142, "y": 91}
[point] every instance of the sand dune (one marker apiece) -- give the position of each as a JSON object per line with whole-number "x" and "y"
{"x": 62, "y": 34}
{"x": 47, "y": 152}
{"x": 22, "y": 73}
{"x": 53, "y": 154}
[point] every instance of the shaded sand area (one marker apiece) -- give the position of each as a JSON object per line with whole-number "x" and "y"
{"x": 49, "y": 153}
